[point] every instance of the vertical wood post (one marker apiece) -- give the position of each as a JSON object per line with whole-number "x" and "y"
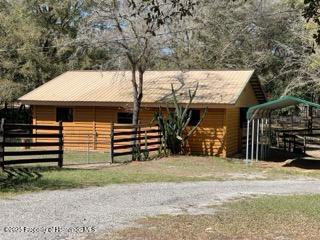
{"x": 111, "y": 142}
{"x": 139, "y": 137}
{"x": 145, "y": 141}
{"x": 60, "y": 163}
{"x": 290, "y": 140}
{"x": 2, "y": 140}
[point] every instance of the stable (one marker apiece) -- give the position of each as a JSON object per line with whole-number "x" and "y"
{"x": 88, "y": 102}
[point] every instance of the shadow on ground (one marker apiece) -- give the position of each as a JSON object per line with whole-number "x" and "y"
{"x": 20, "y": 179}
{"x": 304, "y": 163}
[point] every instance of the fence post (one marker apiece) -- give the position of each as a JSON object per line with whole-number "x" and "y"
{"x": 111, "y": 141}
{"x": 60, "y": 163}
{"x": 2, "y": 140}
{"x": 139, "y": 136}
{"x": 145, "y": 141}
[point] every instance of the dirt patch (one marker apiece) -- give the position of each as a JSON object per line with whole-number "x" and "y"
{"x": 276, "y": 217}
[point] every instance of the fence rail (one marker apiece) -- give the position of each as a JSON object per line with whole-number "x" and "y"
{"x": 127, "y": 139}
{"x": 26, "y": 135}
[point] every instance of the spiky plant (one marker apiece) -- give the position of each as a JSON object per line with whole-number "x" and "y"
{"x": 174, "y": 126}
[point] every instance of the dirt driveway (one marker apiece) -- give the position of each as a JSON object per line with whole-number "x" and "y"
{"x": 87, "y": 213}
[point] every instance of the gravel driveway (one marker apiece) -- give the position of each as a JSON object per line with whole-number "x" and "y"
{"x": 65, "y": 214}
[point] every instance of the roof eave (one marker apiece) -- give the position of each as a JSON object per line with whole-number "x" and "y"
{"x": 120, "y": 104}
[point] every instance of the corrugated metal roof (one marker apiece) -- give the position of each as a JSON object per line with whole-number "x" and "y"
{"x": 263, "y": 110}
{"x": 215, "y": 87}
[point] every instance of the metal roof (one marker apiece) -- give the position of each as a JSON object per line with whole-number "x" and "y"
{"x": 263, "y": 110}
{"x": 115, "y": 87}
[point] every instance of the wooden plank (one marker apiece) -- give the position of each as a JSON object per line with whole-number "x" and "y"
{"x": 36, "y": 160}
{"x": 135, "y": 139}
{"x": 295, "y": 142}
{"x": 60, "y": 163}
{"x": 30, "y": 153}
{"x": 137, "y": 132}
{"x": 130, "y": 126}
{"x": 33, "y": 135}
{"x": 33, "y": 144}
{"x": 2, "y": 139}
{"x": 28, "y": 126}
{"x": 153, "y": 149}
{"x": 111, "y": 142}
{"x": 131, "y": 145}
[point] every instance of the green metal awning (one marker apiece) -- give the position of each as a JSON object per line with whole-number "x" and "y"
{"x": 264, "y": 109}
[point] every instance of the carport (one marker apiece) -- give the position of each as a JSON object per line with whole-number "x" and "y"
{"x": 259, "y": 125}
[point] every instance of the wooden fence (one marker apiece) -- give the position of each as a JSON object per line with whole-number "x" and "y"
{"x": 127, "y": 139}
{"x": 26, "y": 136}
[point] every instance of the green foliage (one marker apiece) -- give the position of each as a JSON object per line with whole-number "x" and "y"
{"x": 9, "y": 91}
{"x": 37, "y": 43}
{"x": 312, "y": 13}
{"x": 270, "y": 37}
{"x": 174, "y": 126}
{"x": 157, "y": 16}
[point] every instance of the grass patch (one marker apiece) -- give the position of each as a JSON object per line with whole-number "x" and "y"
{"x": 173, "y": 169}
{"x": 271, "y": 217}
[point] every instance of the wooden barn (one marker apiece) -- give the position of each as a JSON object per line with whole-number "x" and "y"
{"x": 87, "y": 102}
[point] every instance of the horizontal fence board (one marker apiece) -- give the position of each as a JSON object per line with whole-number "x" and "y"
{"x": 26, "y": 126}
{"x": 32, "y": 144}
{"x": 25, "y": 161}
{"x": 33, "y": 135}
{"x": 295, "y": 143}
{"x": 128, "y": 126}
{"x": 153, "y": 149}
{"x": 142, "y": 145}
{"x": 295, "y": 130}
{"x": 135, "y": 139}
{"x": 30, "y": 153}
{"x": 137, "y": 132}
{"x": 48, "y": 135}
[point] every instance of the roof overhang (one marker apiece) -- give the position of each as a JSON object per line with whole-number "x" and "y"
{"x": 263, "y": 110}
{"x": 121, "y": 104}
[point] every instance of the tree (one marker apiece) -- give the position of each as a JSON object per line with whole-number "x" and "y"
{"x": 157, "y": 15}
{"x": 312, "y": 13}
{"x": 268, "y": 36}
{"x": 135, "y": 31}
{"x": 37, "y": 41}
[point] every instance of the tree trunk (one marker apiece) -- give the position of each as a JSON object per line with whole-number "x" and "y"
{"x": 136, "y": 107}
{"x": 137, "y": 94}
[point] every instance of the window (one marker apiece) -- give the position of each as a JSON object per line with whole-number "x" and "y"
{"x": 125, "y": 117}
{"x": 64, "y": 114}
{"x": 195, "y": 117}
